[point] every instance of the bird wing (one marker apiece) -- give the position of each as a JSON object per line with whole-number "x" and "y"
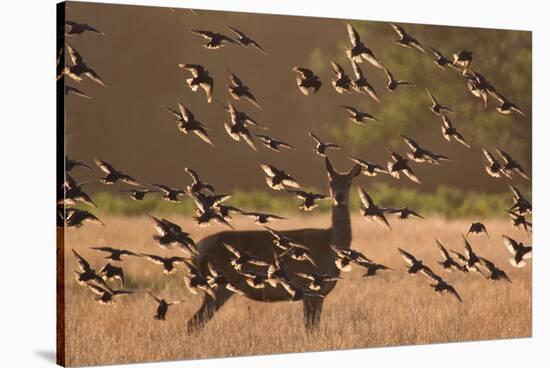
{"x": 315, "y": 137}
{"x": 443, "y": 250}
{"x": 357, "y": 70}
{"x": 353, "y": 35}
{"x": 410, "y": 142}
{"x": 76, "y": 58}
{"x": 337, "y": 69}
{"x": 410, "y": 174}
{"x": 153, "y": 296}
{"x": 185, "y": 112}
{"x": 202, "y": 134}
{"x": 366, "y": 200}
{"x": 104, "y": 165}
{"x": 432, "y": 98}
{"x": 84, "y": 265}
{"x": 488, "y": 156}
{"x": 461, "y": 139}
{"x": 195, "y": 69}
{"x": 153, "y": 258}
{"x": 400, "y": 31}
{"x": 510, "y": 244}
{"x": 409, "y": 258}
{"x": 233, "y": 250}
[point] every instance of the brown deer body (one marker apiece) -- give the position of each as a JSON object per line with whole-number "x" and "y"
{"x": 260, "y": 243}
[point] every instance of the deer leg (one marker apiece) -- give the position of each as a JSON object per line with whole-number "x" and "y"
{"x": 312, "y": 312}
{"x": 207, "y": 310}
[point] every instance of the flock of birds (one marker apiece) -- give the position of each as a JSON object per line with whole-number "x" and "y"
{"x": 211, "y": 207}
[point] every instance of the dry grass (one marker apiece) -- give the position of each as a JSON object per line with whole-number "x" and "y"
{"x": 392, "y": 309}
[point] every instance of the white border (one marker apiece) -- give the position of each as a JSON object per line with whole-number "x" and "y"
{"x": 27, "y": 111}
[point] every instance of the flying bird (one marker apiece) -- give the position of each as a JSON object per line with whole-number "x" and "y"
{"x": 169, "y": 194}
{"x": 215, "y": 40}
{"x": 521, "y": 204}
{"x": 520, "y": 221}
{"x": 300, "y": 254}
{"x": 368, "y": 168}
{"x": 166, "y": 262}
{"x": 405, "y": 39}
{"x": 361, "y": 84}
{"x": 277, "y": 179}
{"x": 79, "y": 68}
{"x": 519, "y": 251}
{"x": 110, "y": 272}
{"x": 394, "y": 83}
{"x": 448, "y": 263}
{"x": 75, "y": 91}
{"x": 322, "y": 147}
{"x": 218, "y": 280}
{"x": 345, "y": 256}
{"x": 86, "y": 272}
{"x": 255, "y": 279}
{"x": 297, "y": 293}
{"x": 309, "y": 199}
{"x": 441, "y": 61}
{"x": 201, "y": 79}
{"x": 105, "y": 294}
{"x": 414, "y": 265}
{"x": 273, "y": 143}
{"x": 162, "y": 307}
{"x": 317, "y": 280}
{"x": 358, "y": 117}
{"x": 399, "y": 165}
{"x": 510, "y": 165}
{"x": 113, "y": 175}
{"x": 170, "y": 234}
{"x": 74, "y": 192}
{"x": 76, "y": 218}
{"x": 188, "y": 123}
{"x": 342, "y": 83}
{"x": 262, "y": 218}
{"x": 238, "y": 89}
{"x": 307, "y": 80}
{"x": 198, "y": 185}
{"x": 371, "y": 211}
{"x": 506, "y": 107}
{"x": 404, "y": 213}
{"x": 463, "y": 58}
{"x": 71, "y": 164}
{"x": 449, "y": 131}
{"x": 493, "y": 168}
{"x": 373, "y": 268}
{"x": 196, "y": 280}
{"x": 441, "y": 286}
{"x": 115, "y": 254}
{"x": 477, "y": 228}
{"x": 359, "y": 51}
{"x": 494, "y": 273}
{"x": 420, "y": 154}
{"x": 470, "y": 258}
{"x": 241, "y": 258}
{"x": 282, "y": 241}
{"x": 138, "y": 194}
{"x": 436, "y": 107}
{"x": 73, "y": 28}
{"x": 245, "y": 40}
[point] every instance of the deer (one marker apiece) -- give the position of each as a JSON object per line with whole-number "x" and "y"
{"x": 211, "y": 250}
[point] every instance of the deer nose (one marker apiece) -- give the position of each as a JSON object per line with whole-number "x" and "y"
{"x": 339, "y": 198}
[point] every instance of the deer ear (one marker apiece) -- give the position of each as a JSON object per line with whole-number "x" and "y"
{"x": 356, "y": 170}
{"x": 329, "y": 167}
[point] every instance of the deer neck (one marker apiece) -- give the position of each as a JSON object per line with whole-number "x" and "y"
{"x": 341, "y": 227}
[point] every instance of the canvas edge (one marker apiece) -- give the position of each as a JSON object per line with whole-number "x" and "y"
{"x": 60, "y": 175}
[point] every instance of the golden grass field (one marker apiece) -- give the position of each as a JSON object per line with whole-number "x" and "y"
{"x": 391, "y": 309}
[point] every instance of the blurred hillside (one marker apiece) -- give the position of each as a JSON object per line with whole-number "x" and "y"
{"x": 127, "y": 124}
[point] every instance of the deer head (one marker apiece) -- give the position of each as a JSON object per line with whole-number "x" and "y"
{"x": 340, "y": 183}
